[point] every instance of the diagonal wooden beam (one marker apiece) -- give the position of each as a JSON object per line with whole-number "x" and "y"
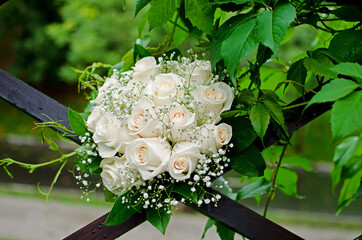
{"x": 229, "y": 212}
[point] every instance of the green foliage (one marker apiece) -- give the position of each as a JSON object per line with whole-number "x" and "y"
{"x": 260, "y": 118}
{"x": 298, "y": 73}
{"x": 161, "y": 11}
{"x": 345, "y": 150}
{"x": 346, "y": 46}
{"x": 159, "y": 218}
{"x": 200, "y": 15}
{"x": 254, "y": 189}
{"x": 333, "y": 91}
{"x": 272, "y": 25}
{"x": 224, "y": 232}
{"x": 120, "y": 211}
{"x": 249, "y": 162}
{"x": 349, "y": 69}
{"x": 346, "y": 115}
{"x": 77, "y": 122}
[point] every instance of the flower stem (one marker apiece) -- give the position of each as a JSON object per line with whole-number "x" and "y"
{"x": 273, "y": 180}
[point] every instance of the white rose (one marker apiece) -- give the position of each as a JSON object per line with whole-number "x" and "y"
{"x": 200, "y": 72}
{"x": 107, "y": 86}
{"x": 184, "y": 159}
{"x": 213, "y": 137}
{"x": 143, "y": 120}
{"x": 206, "y": 137}
{"x": 114, "y": 175}
{"x": 181, "y": 121}
{"x": 110, "y": 136}
{"x": 144, "y": 69}
{"x": 149, "y": 156}
{"x": 93, "y": 118}
{"x": 223, "y": 134}
{"x": 215, "y": 98}
{"x": 167, "y": 88}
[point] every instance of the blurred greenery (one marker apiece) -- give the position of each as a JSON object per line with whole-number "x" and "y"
{"x": 41, "y": 41}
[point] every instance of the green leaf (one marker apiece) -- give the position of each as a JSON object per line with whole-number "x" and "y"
{"x": 259, "y": 187}
{"x": 120, "y": 211}
{"x": 242, "y": 41}
{"x": 350, "y": 191}
{"x": 298, "y": 73}
{"x": 161, "y": 11}
{"x": 348, "y": 13}
{"x": 348, "y": 69}
{"x": 260, "y": 119}
{"x": 346, "y": 46}
{"x": 184, "y": 190}
{"x": 159, "y": 218}
{"x": 109, "y": 196}
{"x": 320, "y": 66}
{"x": 140, "y": 4}
{"x": 272, "y": 25}
{"x": 223, "y": 33}
{"x": 208, "y": 225}
{"x": 224, "y": 232}
{"x": 243, "y": 133}
{"x": 200, "y": 14}
{"x": 353, "y": 166}
{"x": 275, "y": 111}
{"x": 335, "y": 176}
{"x": 346, "y": 115}
{"x": 220, "y": 185}
{"x": 297, "y": 161}
{"x": 345, "y": 150}
{"x": 333, "y": 91}
{"x": 249, "y": 162}
{"x": 140, "y": 51}
{"x": 263, "y": 54}
{"x": 287, "y": 181}
{"x": 77, "y": 122}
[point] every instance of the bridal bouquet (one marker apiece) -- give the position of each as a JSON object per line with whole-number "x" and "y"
{"x": 155, "y": 136}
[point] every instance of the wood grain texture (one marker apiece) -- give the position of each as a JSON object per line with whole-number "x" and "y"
{"x": 229, "y": 212}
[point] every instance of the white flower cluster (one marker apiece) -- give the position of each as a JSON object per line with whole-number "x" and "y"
{"x": 161, "y": 119}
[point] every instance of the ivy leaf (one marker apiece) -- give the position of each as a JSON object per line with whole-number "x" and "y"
{"x": 200, "y": 15}
{"x": 140, "y": 4}
{"x": 249, "y": 162}
{"x": 333, "y": 91}
{"x": 208, "y": 225}
{"x": 297, "y": 161}
{"x": 77, "y": 122}
{"x": 161, "y": 11}
{"x": 259, "y": 187}
{"x": 159, "y": 218}
{"x": 345, "y": 150}
{"x": 348, "y": 69}
{"x": 287, "y": 181}
{"x": 346, "y": 46}
{"x": 346, "y": 115}
{"x": 260, "y": 118}
{"x": 120, "y": 211}
{"x": 224, "y": 232}
{"x": 242, "y": 41}
{"x": 272, "y": 25}
{"x": 298, "y": 73}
